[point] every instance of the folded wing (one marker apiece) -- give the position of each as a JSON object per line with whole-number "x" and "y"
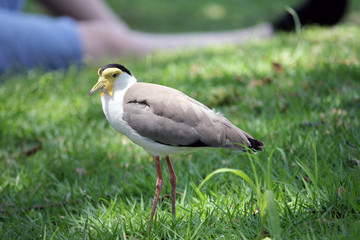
{"x": 170, "y": 117}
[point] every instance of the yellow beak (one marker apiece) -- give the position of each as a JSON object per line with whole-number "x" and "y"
{"x": 97, "y": 86}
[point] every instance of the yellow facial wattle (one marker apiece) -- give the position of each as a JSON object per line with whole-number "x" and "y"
{"x": 107, "y": 79}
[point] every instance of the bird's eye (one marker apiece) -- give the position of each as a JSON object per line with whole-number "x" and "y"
{"x": 115, "y": 75}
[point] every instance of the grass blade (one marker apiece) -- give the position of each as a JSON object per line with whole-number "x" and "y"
{"x": 273, "y": 214}
{"x": 234, "y": 171}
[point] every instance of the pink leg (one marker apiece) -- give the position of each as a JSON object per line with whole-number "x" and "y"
{"x": 173, "y": 184}
{"x": 159, "y": 184}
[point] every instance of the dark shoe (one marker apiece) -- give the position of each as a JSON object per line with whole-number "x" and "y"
{"x": 321, "y": 12}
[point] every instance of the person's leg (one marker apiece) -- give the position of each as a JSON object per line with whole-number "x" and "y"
{"x": 85, "y": 10}
{"x": 12, "y": 5}
{"x": 28, "y": 41}
{"x": 201, "y": 39}
{"x": 52, "y": 43}
{"x": 101, "y": 39}
{"x": 103, "y": 33}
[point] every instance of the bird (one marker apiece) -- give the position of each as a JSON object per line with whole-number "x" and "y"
{"x": 164, "y": 121}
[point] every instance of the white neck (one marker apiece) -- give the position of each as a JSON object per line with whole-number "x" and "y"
{"x": 113, "y": 105}
{"x": 124, "y": 82}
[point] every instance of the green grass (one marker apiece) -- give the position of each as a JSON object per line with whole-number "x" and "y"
{"x": 66, "y": 174}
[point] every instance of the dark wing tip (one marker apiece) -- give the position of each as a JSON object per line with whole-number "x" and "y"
{"x": 256, "y": 144}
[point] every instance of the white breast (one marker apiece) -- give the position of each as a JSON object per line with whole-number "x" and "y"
{"x": 113, "y": 105}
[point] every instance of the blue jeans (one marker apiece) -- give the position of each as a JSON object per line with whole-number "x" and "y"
{"x": 30, "y": 40}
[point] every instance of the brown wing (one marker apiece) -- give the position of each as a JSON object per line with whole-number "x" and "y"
{"x": 170, "y": 117}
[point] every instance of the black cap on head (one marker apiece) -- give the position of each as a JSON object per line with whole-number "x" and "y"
{"x": 115, "y": 65}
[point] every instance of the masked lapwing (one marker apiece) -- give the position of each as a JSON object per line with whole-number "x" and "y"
{"x": 164, "y": 121}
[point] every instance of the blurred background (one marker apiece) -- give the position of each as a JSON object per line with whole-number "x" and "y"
{"x": 201, "y": 15}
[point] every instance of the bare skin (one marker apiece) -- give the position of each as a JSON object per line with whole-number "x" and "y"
{"x": 159, "y": 184}
{"x": 173, "y": 182}
{"x": 84, "y": 10}
{"x": 99, "y": 41}
{"x": 103, "y": 33}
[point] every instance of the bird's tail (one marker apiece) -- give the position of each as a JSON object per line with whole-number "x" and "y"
{"x": 244, "y": 141}
{"x": 256, "y": 144}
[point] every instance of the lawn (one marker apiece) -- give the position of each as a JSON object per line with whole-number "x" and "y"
{"x": 66, "y": 174}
